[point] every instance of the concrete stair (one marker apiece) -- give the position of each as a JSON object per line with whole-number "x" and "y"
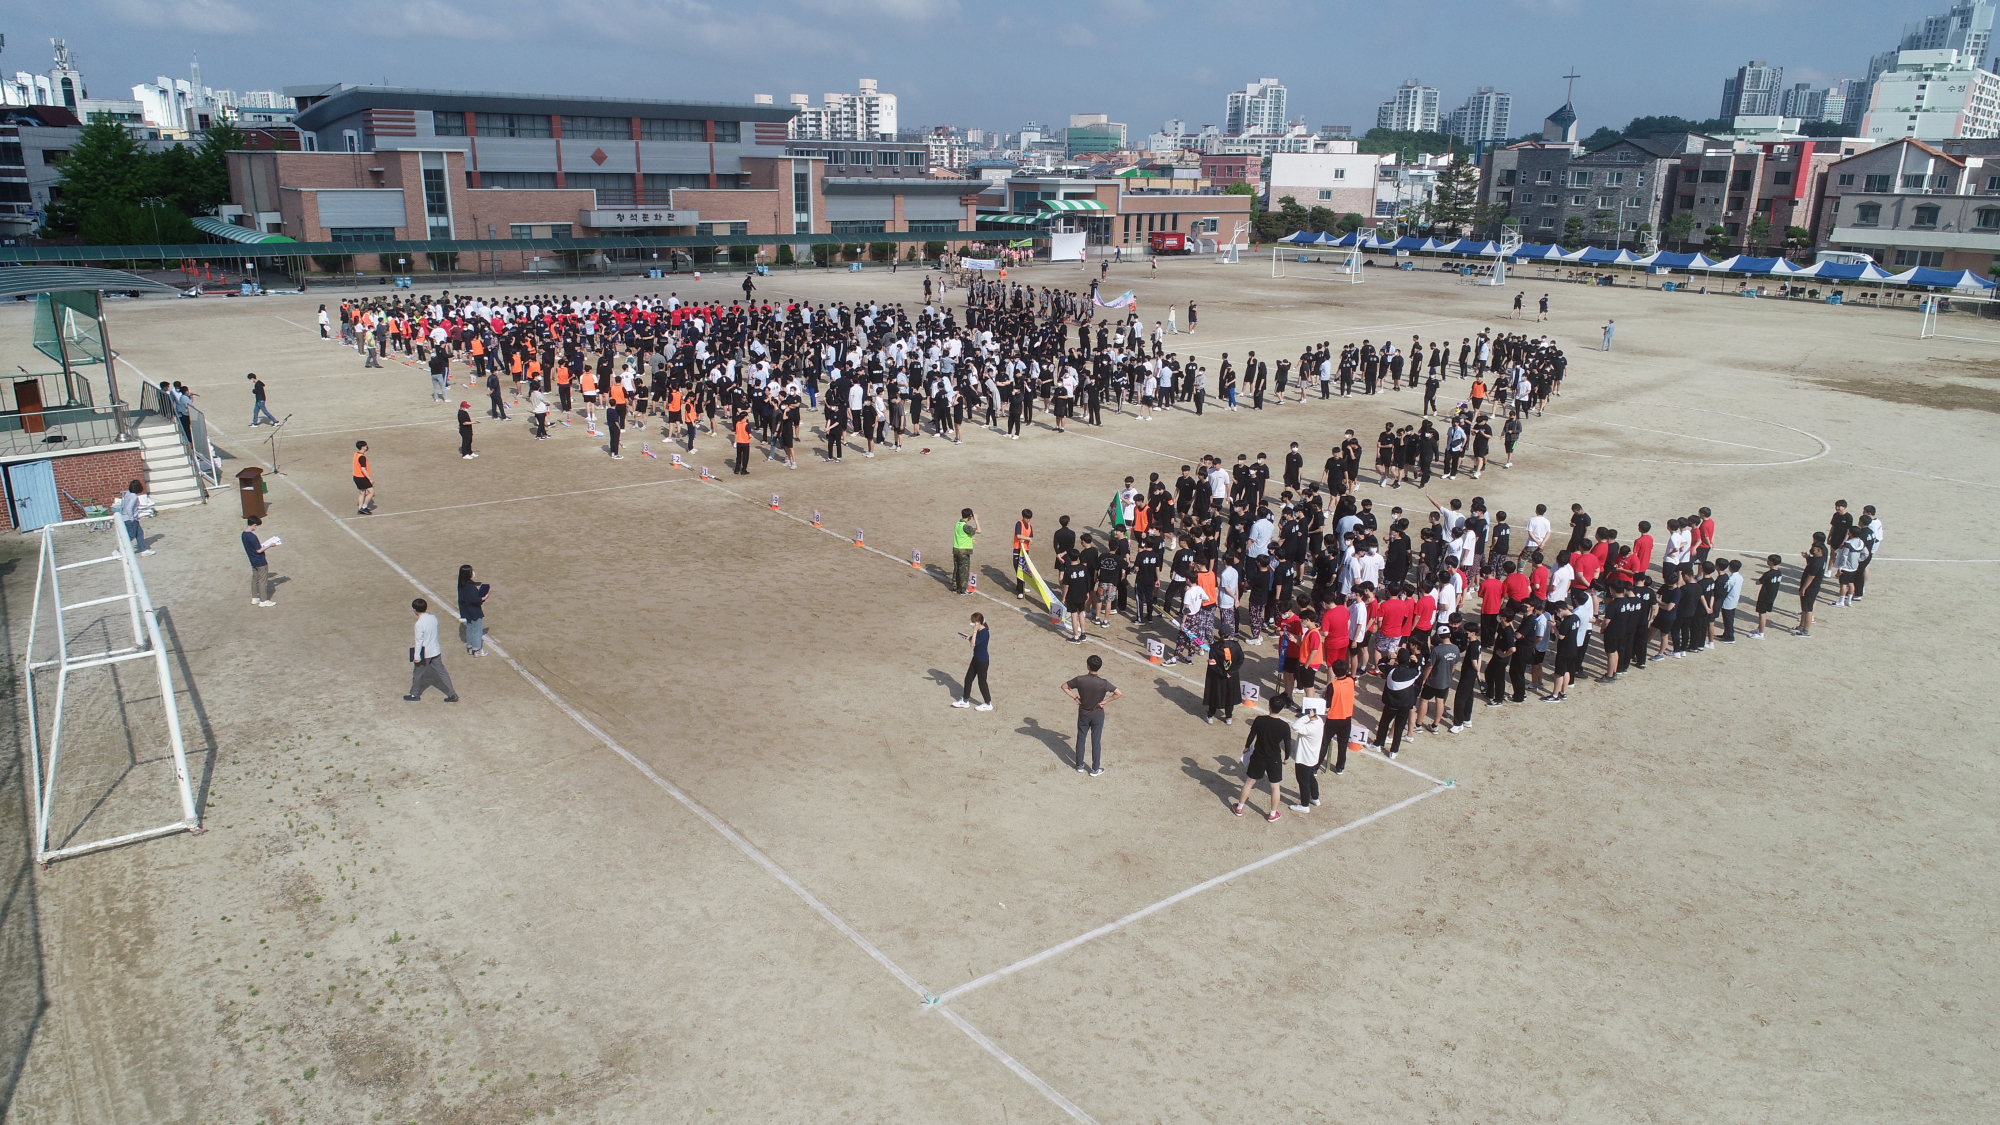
{"x": 170, "y": 476}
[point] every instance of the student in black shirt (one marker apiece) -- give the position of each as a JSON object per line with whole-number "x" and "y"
{"x": 1768, "y": 585}
{"x": 1076, "y": 578}
{"x": 1147, "y": 567}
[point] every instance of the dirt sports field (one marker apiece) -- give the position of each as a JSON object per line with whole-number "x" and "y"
{"x": 708, "y": 843}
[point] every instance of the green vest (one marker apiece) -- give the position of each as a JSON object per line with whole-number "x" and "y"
{"x": 961, "y": 538}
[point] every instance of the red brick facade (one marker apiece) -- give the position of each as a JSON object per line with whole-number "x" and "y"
{"x": 99, "y": 475}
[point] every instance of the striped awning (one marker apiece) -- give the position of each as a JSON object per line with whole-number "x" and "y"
{"x": 223, "y": 229}
{"x": 1074, "y": 205}
{"x": 23, "y": 281}
{"x": 1015, "y": 220}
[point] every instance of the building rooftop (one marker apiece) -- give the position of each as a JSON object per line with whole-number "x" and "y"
{"x": 354, "y": 99}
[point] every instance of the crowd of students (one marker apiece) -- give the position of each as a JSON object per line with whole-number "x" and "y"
{"x": 1439, "y": 607}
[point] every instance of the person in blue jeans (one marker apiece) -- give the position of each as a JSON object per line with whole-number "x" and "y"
{"x": 1091, "y": 692}
{"x": 260, "y": 413}
{"x": 472, "y": 610}
{"x": 127, "y": 507}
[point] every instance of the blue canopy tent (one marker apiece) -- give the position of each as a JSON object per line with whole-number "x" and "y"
{"x": 1744, "y": 263}
{"x": 1666, "y": 260}
{"x": 1537, "y": 250}
{"x": 1471, "y": 247}
{"x": 1844, "y": 271}
{"x": 1301, "y": 238}
{"x": 1599, "y": 256}
{"x": 1965, "y": 281}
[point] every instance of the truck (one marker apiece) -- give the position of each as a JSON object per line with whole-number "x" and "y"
{"x": 1167, "y": 242}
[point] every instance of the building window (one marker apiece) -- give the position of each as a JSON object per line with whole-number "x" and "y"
{"x": 934, "y": 226}
{"x": 1988, "y": 218}
{"x": 1846, "y": 179}
{"x": 1941, "y": 183}
{"x": 916, "y": 160}
{"x": 512, "y": 124}
{"x": 728, "y": 132}
{"x": 447, "y": 123}
{"x": 801, "y": 201}
{"x": 1341, "y": 174}
{"x": 1732, "y": 229}
{"x": 1930, "y": 259}
{"x": 1548, "y": 221}
{"x": 1626, "y": 156}
{"x": 1879, "y": 183}
{"x": 361, "y": 234}
{"x": 525, "y": 181}
{"x": 1913, "y": 181}
{"x": 1632, "y": 224}
{"x": 596, "y": 128}
{"x": 862, "y": 158}
{"x": 599, "y": 181}
{"x": 437, "y": 205}
{"x": 1614, "y": 177}
{"x": 1690, "y": 175}
{"x": 1715, "y": 176}
{"x": 1740, "y": 180}
{"x": 1925, "y": 216}
{"x": 1504, "y": 197}
{"x": 836, "y": 159}
{"x": 1781, "y": 179}
{"x": 1736, "y": 203}
{"x": 1868, "y": 215}
{"x": 1576, "y": 201}
{"x": 672, "y": 181}
{"x": 1579, "y": 179}
{"x": 1326, "y": 193}
{"x": 55, "y": 156}
{"x": 1542, "y": 177}
{"x": 560, "y": 230}
{"x": 520, "y": 230}
{"x": 859, "y": 226}
{"x": 1993, "y": 183}
{"x": 671, "y": 129}
{"x": 1507, "y": 177}
{"x": 1687, "y": 202}
{"x": 1604, "y": 201}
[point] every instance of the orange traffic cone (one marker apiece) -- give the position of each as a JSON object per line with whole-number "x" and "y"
{"x": 857, "y": 538}
{"x": 972, "y": 583}
{"x": 815, "y": 517}
{"x": 774, "y": 501}
{"x": 916, "y": 559}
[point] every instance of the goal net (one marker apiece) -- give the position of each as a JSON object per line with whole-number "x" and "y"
{"x": 1960, "y": 317}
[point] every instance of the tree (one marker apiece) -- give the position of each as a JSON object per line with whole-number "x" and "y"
{"x": 105, "y": 168}
{"x": 1320, "y": 220}
{"x": 1760, "y": 232}
{"x": 1455, "y": 197}
{"x": 208, "y": 181}
{"x": 1572, "y": 236}
{"x": 1405, "y": 144}
{"x": 1603, "y": 224}
{"x": 1718, "y": 240}
{"x": 1679, "y": 226}
{"x": 1824, "y": 129}
{"x": 1604, "y": 137}
{"x": 1797, "y": 238}
{"x": 1351, "y": 222}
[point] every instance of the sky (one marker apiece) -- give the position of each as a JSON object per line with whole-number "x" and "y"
{"x": 989, "y": 65}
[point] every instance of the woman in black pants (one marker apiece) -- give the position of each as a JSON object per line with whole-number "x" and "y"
{"x": 1505, "y": 641}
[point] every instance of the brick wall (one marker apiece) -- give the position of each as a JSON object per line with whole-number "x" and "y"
{"x": 99, "y": 475}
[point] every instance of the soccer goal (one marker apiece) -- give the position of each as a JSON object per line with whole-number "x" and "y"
{"x": 92, "y": 727}
{"x": 1955, "y": 317}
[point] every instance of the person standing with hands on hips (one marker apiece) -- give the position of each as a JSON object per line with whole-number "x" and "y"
{"x": 426, "y": 658}
{"x": 962, "y": 534}
{"x": 976, "y": 670}
{"x": 260, "y": 567}
{"x": 1091, "y": 692}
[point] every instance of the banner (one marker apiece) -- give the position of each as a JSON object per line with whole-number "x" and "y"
{"x": 1123, "y": 300}
{"x": 1067, "y": 247}
{"x": 1021, "y": 244}
{"x": 1040, "y": 588}
{"x": 980, "y": 263}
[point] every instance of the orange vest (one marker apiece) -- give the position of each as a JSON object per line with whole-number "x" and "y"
{"x": 478, "y": 346}
{"x": 1206, "y": 580}
{"x": 589, "y": 383}
{"x": 515, "y": 365}
{"x": 1024, "y": 534}
{"x": 1340, "y": 699}
{"x": 617, "y": 393}
{"x": 674, "y": 402}
{"x": 743, "y": 431}
{"x": 360, "y": 468}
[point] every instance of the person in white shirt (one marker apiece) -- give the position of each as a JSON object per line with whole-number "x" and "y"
{"x": 1560, "y": 578}
{"x": 1226, "y": 581}
{"x": 427, "y": 658}
{"x": 1538, "y": 531}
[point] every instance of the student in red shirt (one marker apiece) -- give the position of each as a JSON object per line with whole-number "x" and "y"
{"x": 1492, "y": 595}
{"x": 1516, "y": 583}
{"x": 1642, "y": 548}
{"x": 1704, "y": 536}
{"x": 1538, "y": 580}
{"x": 1397, "y": 616}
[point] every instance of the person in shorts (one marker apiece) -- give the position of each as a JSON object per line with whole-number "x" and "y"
{"x": 1264, "y": 760}
{"x": 1768, "y": 585}
{"x": 364, "y": 481}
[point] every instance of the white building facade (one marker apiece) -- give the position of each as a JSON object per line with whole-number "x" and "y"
{"x": 868, "y": 115}
{"x": 1257, "y": 108}
{"x": 1933, "y": 96}
{"x": 1486, "y": 116}
{"x": 1413, "y": 109}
